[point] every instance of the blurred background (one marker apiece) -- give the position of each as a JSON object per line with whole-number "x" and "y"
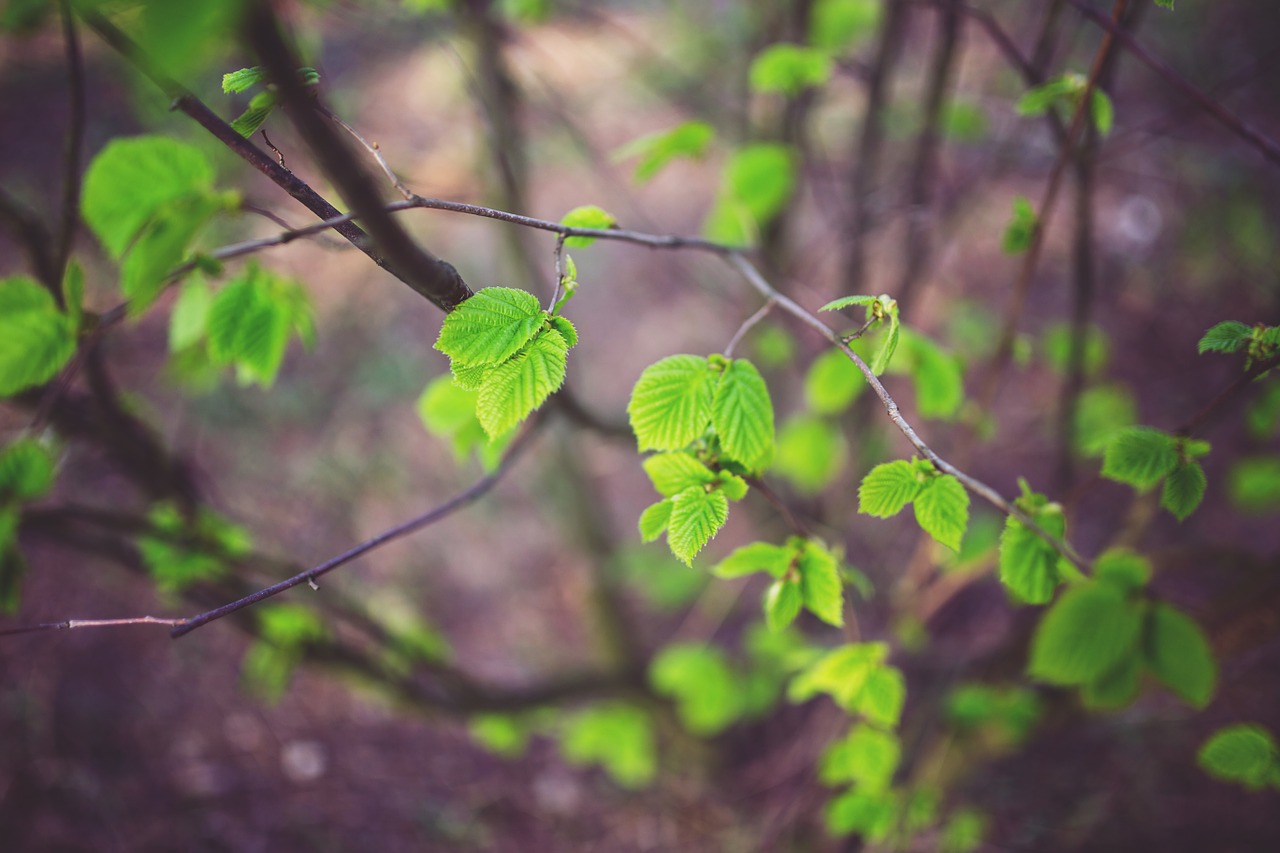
{"x": 424, "y": 699}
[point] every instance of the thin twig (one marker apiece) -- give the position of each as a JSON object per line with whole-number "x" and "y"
{"x": 371, "y": 147}
{"x": 72, "y": 624}
{"x": 747, "y": 325}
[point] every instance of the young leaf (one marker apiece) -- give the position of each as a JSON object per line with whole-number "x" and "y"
{"x": 789, "y": 69}
{"x": 518, "y": 386}
{"x": 836, "y": 24}
{"x": 761, "y": 178}
{"x": 469, "y": 378}
{"x": 1028, "y": 564}
{"x": 887, "y": 488}
{"x": 490, "y": 327}
{"x": 1021, "y": 227}
{"x": 756, "y": 557}
{"x": 872, "y": 758}
{"x": 706, "y": 690}
{"x": 810, "y": 453}
{"x": 1090, "y": 630}
{"x": 1241, "y": 753}
{"x": 1139, "y": 456}
{"x": 832, "y": 383}
{"x": 1183, "y": 489}
{"x": 936, "y": 375}
{"x": 671, "y": 402}
{"x": 566, "y": 330}
{"x": 690, "y": 139}
{"x": 616, "y": 736}
{"x": 872, "y": 814}
{"x": 672, "y": 473}
{"x": 587, "y": 216}
{"x": 190, "y": 315}
{"x": 1123, "y": 569}
{"x": 696, "y": 516}
{"x": 842, "y": 673}
{"x": 1114, "y": 689}
{"x": 1103, "y": 112}
{"x": 782, "y": 603}
{"x": 1227, "y": 336}
{"x": 255, "y": 115}
{"x": 882, "y": 697}
{"x": 26, "y": 473}
{"x": 880, "y": 361}
{"x": 942, "y": 510}
{"x": 249, "y": 324}
{"x": 846, "y": 301}
{"x": 132, "y": 179}
{"x": 242, "y": 80}
{"x": 734, "y": 487}
{"x": 1178, "y": 653}
{"x": 820, "y": 585}
{"x": 36, "y": 339}
{"x": 654, "y": 520}
{"x": 160, "y": 247}
{"x": 742, "y": 415}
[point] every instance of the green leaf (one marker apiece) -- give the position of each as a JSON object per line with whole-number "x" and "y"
{"x": 887, "y": 488}
{"x": 782, "y": 602}
{"x": 1123, "y": 569}
{"x": 1178, "y": 653}
{"x": 880, "y": 361}
{"x": 964, "y": 122}
{"x": 936, "y": 375}
{"x": 26, "y": 472}
{"x": 132, "y": 180}
{"x": 706, "y": 691}
{"x": 734, "y": 487}
{"x": 1254, "y": 483}
{"x": 963, "y": 832}
{"x": 190, "y": 315}
{"x": 490, "y": 327}
{"x": 160, "y": 247}
{"x": 518, "y": 386}
{"x": 1028, "y": 564}
{"x": 73, "y": 292}
{"x": 820, "y": 585}
{"x": 1090, "y": 630}
{"x": 810, "y": 453}
{"x": 1228, "y": 336}
{"x": 255, "y": 115}
{"x": 756, "y": 557}
{"x": 656, "y": 150}
{"x": 469, "y": 378}
{"x": 1240, "y": 753}
{"x": 587, "y": 216}
{"x": 1103, "y": 112}
{"x": 12, "y": 566}
{"x": 445, "y": 409}
{"x": 616, "y": 736}
{"x": 1101, "y": 412}
{"x": 501, "y": 734}
{"x": 1183, "y": 489}
{"x": 566, "y": 330}
{"x": 181, "y": 552}
{"x": 672, "y": 473}
{"x": 1037, "y": 101}
{"x": 1139, "y": 456}
{"x": 1164, "y": 4}
{"x": 870, "y": 814}
{"x": 832, "y": 383}
{"x": 882, "y": 697}
{"x": 1057, "y": 348}
{"x": 1114, "y": 689}
{"x": 249, "y": 324}
{"x": 867, "y": 757}
{"x": 1021, "y": 227}
{"x": 696, "y": 516}
{"x": 842, "y": 673}
{"x": 942, "y": 510}
{"x": 836, "y": 24}
{"x": 742, "y": 415}
{"x": 846, "y": 301}
{"x": 654, "y": 520}
{"x": 789, "y": 69}
{"x": 36, "y": 339}
{"x": 671, "y": 403}
{"x": 760, "y": 177}
{"x": 242, "y": 80}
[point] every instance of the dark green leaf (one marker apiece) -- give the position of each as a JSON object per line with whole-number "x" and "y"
{"x": 1114, "y": 689}
{"x": 1090, "y": 630}
{"x": 1178, "y": 653}
{"x": 1183, "y": 489}
{"x": 1228, "y": 336}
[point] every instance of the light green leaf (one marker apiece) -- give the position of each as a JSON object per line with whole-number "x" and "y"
{"x": 249, "y": 324}
{"x": 706, "y": 691}
{"x": 671, "y": 403}
{"x": 1139, "y": 456}
{"x": 501, "y": 734}
{"x": 469, "y": 378}
{"x": 870, "y": 814}
{"x": 782, "y": 602}
{"x": 186, "y": 552}
{"x": 566, "y": 330}
{"x": 882, "y": 697}
{"x": 832, "y": 383}
{"x": 1090, "y": 630}
{"x": 587, "y": 216}
{"x": 26, "y": 473}
{"x": 514, "y": 389}
{"x": 672, "y": 473}
{"x": 869, "y": 759}
{"x": 836, "y": 24}
{"x": 696, "y": 516}
{"x": 756, "y": 557}
{"x": 734, "y": 487}
{"x": 761, "y": 177}
{"x": 255, "y": 115}
{"x": 490, "y": 327}
{"x": 656, "y": 150}
{"x": 445, "y": 408}
{"x": 789, "y": 69}
{"x": 1241, "y": 753}
{"x": 880, "y": 360}
{"x": 887, "y": 488}
{"x": 36, "y": 339}
{"x": 190, "y": 315}
{"x": 1101, "y": 412}
{"x": 131, "y": 180}
{"x": 243, "y": 79}
{"x": 1058, "y": 343}
{"x": 161, "y": 246}
{"x": 810, "y": 453}
{"x": 1021, "y": 227}
{"x": 846, "y": 301}
{"x": 1183, "y": 489}
{"x": 1103, "y": 112}
{"x": 1228, "y": 336}
{"x": 936, "y": 375}
{"x": 1028, "y": 564}
{"x": 654, "y": 520}
{"x": 942, "y": 510}
{"x": 820, "y": 585}
{"x": 1178, "y": 653}
{"x": 616, "y": 736}
{"x": 842, "y": 673}
{"x": 742, "y": 415}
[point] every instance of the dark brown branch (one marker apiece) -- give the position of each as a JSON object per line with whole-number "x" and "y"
{"x": 431, "y": 277}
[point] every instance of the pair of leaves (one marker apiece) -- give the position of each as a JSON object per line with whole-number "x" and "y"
{"x": 26, "y": 474}
{"x": 858, "y": 679}
{"x": 695, "y": 502}
{"x": 146, "y": 199}
{"x": 246, "y": 325}
{"x": 1100, "y": 635}
{"x": 806, "y": 575}
{"x": 880, "y": 309}
{"x": 676, "y": 400}
{"x": 1067, "y": 89}
{"x": 36, "y": 339}
{"x": 502, "y": 345}
{"x": 263, "y": 103}
{"x": 941, "y": 504}
{"x": 1142, "y": 457}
